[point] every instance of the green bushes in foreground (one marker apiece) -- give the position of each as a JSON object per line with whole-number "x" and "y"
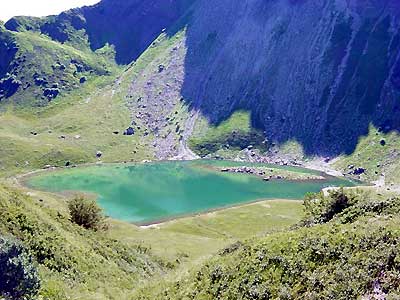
{"x": 19, "y": 278}
{"x": 319, "y": 263}
{"x": 73, "y": 261}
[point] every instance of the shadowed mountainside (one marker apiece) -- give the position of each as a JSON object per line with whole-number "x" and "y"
{"x": 319, "y": 72}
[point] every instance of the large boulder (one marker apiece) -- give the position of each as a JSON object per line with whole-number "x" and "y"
{"x": 129, "y": 131}
{"x": 51, "y": 93}
{"x": 9, "y": 86}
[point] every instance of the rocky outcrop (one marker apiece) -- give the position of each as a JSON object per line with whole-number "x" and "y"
{"x": 9, "y": 86}
{"x": 272, "y": 174}
{"x": 51, "y": 93}
{"x": 129, "y": 131}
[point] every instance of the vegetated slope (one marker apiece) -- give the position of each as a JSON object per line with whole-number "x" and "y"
{"x": 71, "y": 129}
{"x": 73, "y": 262}
{"x": 34, "y": 69}
{"x": 130, "y": 26}
{"x": 348, "y": 250}
{"x": 377, "y": 155}
{"x": 44, "y": 57}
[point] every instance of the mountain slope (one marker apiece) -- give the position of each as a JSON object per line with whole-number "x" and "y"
{"x": 305, "y": 69}
{"x": 130, "y": 26}
{"x": 319, "y": 72}
{"x": 45, "y": 57}
{"x": 74, "y": 127}
{"x": 35, "y": 69}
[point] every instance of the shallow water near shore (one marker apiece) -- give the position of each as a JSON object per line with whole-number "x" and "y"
{"x": 146, "y": 193}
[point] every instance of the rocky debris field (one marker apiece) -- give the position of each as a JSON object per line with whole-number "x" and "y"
{"x": 272, "y": 173}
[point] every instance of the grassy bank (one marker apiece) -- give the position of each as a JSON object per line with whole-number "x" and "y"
{"x": 76, "y": 263}
{"x": 345, "y": 248}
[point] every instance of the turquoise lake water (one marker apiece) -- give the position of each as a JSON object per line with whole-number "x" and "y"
{"x": 145, "y": 193}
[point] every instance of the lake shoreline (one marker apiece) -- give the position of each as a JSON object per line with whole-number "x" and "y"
{"x": 203, "y": 199}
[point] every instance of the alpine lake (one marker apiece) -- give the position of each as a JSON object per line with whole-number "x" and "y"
{"x": 146, "y": 193}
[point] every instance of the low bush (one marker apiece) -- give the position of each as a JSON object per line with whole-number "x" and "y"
{"x": 86, "y": 213}
{"x": 320, "y": 208}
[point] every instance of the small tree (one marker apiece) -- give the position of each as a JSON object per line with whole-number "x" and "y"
{"x": 86, "y": 213}
{"x": 19, "y": 277}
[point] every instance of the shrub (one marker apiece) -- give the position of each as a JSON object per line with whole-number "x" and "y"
{"x": 19, "y": 278}
{"x": 321, "y": 209}
{"x": 86, "y": 213}
{"x": 347, "y": 206}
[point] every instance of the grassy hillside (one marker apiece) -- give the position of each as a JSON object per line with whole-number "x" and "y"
{"x": 236, "y": 133}
{"x": 43, "y": 69}
{"x": 73, "y": 262}
{"x": 69, "y": 131}
{"x": 378, "y": 153}
{"x": 347, "y": 250}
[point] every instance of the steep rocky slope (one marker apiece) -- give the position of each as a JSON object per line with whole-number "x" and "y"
{"x": 321, "y": 73}
{"x": 318, "y": 72}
